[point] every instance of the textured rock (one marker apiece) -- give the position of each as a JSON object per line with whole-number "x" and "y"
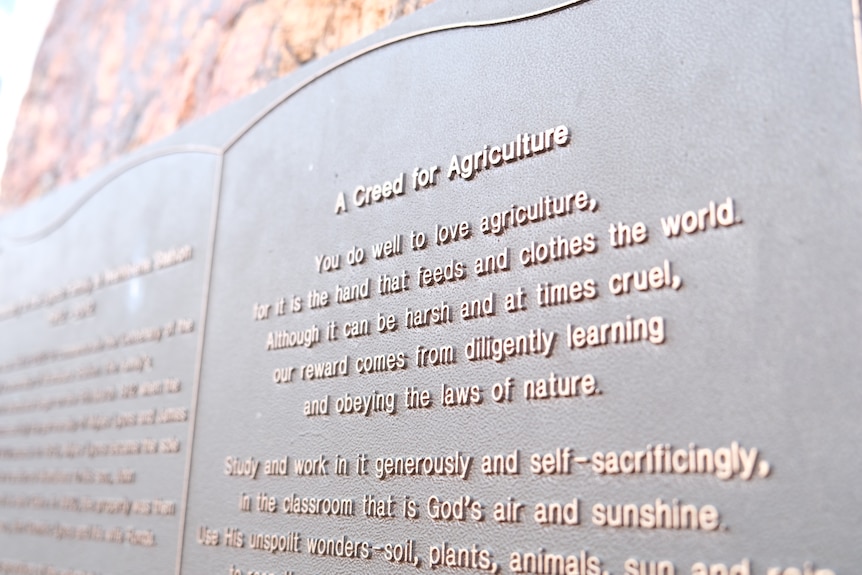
{"x": 112, "y": 75}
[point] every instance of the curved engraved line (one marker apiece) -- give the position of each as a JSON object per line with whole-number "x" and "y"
{"x": 388, "y": 42}
{"x": 110, "y": 177}
{"x": 220, "y": 151}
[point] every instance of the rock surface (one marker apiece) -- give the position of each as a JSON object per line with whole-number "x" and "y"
{"x": 112, "y": 75}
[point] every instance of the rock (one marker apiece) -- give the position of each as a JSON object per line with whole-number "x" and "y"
{"x": 112, "y": 75}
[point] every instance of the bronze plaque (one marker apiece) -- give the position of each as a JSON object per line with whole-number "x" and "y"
{"x": 509, "y": 287}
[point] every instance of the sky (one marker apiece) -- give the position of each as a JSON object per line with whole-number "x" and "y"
{"x": 22, "y": 25}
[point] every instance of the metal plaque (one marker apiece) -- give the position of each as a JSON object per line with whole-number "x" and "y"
{"x": 508, "y": 287}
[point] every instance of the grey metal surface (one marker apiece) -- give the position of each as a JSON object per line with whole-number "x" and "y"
{"x": 154, "y": 208}
{"x": 669, "y": 108}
